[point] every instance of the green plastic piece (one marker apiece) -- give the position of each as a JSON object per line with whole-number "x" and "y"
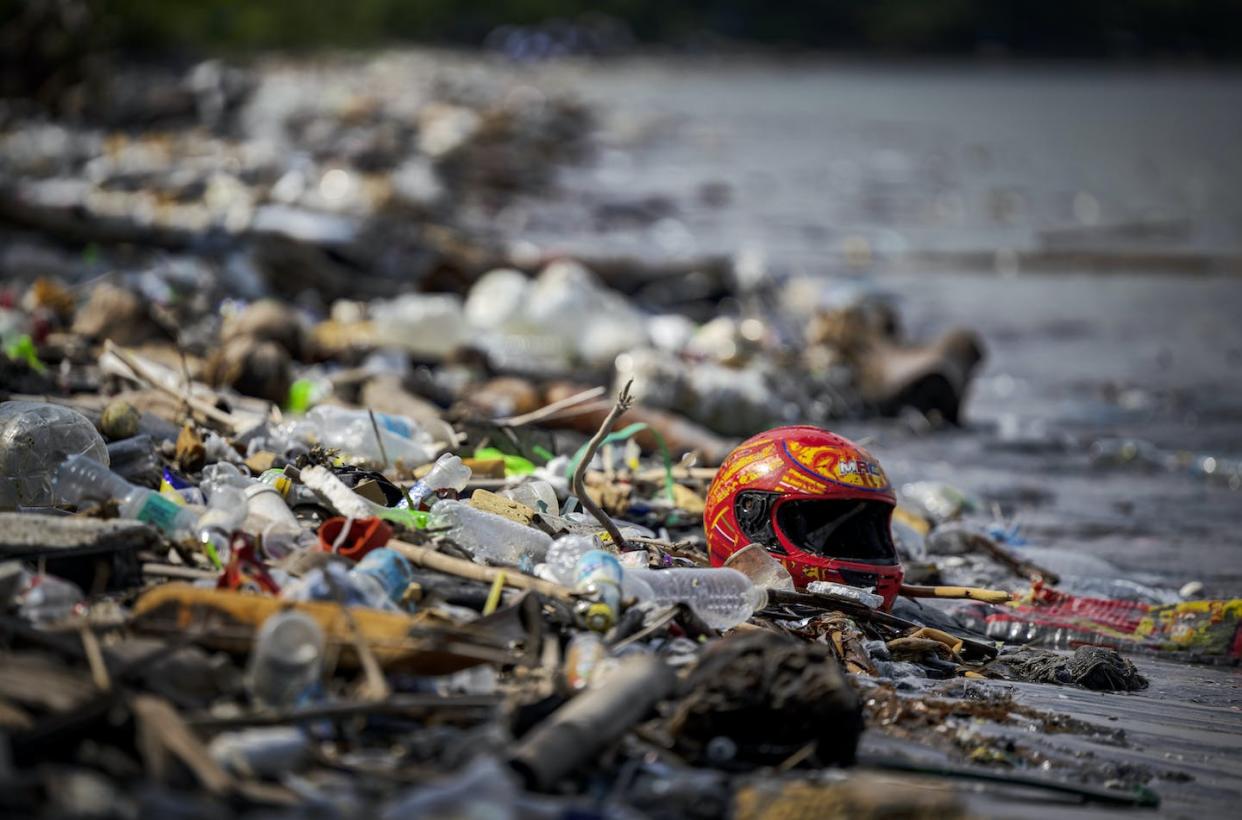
{"x": 23, "y": 349}
{"x": 299, "y": 398}
{"x": 410, "y": 519}
{"x": 514, "y": 465}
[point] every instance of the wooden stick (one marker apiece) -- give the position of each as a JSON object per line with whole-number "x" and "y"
{"x": 623, "y": 403}
{"x": 380, "y": 441}
{"x": 429, "y": 558}
{"x": 988, "y": 596}
{"x": 142, "y": 375}
{"x": 552, "y": 409}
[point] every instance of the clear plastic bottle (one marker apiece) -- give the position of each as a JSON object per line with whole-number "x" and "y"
{"x": 351, "y": 505}
{"x": 490, "y": 536}
{"x": 721, "y": 597}
{"x": 286, "y": 665}
{"x": 333, "y": 582}
{"x": 352, "y": 432}
{"x": 81, "y": 479}
{"x": 536, "y": 494}
{"x": 134, "y": 459}
{"x": 47, "y": 599}
{"x": 35, "y": 438}
{"x": 227, "y": 509}
{"x": 449, "y": 472}
{"x": 562, "y": 557}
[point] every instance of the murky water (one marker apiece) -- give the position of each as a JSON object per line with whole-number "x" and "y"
{"x": 1087, "y": 222}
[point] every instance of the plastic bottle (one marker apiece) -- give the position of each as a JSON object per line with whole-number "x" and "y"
{"x": 35, "y": 439}
{"x": 286, "y": 665}
{"x": 335, "y": 583}
{"x": 351, "y": 505}
{"x": 352, "y": 432}
{"x": 485, "y": 535}
{"x": 598, "y": 575}
{"x": 757, "y": 564}
{"x": 846, "y": 593}
{"x": 722, "y": 598}
{"x": 47, "y": 599}
{"x": 937, "y": 500}
{"x": 583, "y": 656}
{"x": 390, "y": 569}
{"x": 562, "y": 557}
{"x": 449, "y": 472}
{"x": 536, "y": 494}
{"x": 226, "y": 510}
{"x": 266, "y": 751}
{"x": 81, "y": 478}
{"x": 134, "y": 459}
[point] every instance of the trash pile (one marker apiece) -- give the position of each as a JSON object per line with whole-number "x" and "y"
{"x": 388, "y": 545}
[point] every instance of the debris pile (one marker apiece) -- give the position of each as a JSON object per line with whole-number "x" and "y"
{"x": 387, "y": 545}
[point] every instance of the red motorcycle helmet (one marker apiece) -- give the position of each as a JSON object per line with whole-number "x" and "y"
{"x": 817, "y": 502}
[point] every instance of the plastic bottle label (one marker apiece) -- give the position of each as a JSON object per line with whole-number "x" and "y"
{"x": 160, "y": 512}
{"x": 394, "y": 424}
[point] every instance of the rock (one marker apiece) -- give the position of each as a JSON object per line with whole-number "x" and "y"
{"x": 267, "y": 320}
{"x": 262, "y": 369}
{"x": 191, "y": 454}
{"x": 115, "y": 313}
{"x": 120, "y": 420}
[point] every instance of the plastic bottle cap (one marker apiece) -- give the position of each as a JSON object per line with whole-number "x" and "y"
{"x": 598, "y": 617}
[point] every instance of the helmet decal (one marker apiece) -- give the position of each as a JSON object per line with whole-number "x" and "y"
{"x": 830, "y": 464}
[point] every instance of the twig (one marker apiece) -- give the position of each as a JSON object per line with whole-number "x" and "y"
{"x": 144, "y": 376}
{"x": 378, "y": 439}
{"x": 623, "y": 403}
{"x": 429, "y": 558}
{"x": 550, "y": 410}
{"x": 95, "y": 659}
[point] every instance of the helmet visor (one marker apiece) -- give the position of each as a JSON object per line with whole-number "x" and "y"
{"x": 851, "y": 529}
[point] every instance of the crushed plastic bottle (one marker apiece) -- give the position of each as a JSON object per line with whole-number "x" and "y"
{"x": 843, "y": 592}
{"x": 937, "y": 500}
{"x": 562, "y": 557}
{"x": 390, "y": 569}
{"x": 488, "y": 536}
{"x": 757, "y": 564}
{"x": 535, "y": 493}
{"x": 448, "y": 473}
{"x": 352, "y": 432}
{"x": 81, "y": 479}
{"x": 286, "y": 664}
{"x": 47, "y": 599}
{"x": 722, "y": 598}
{"x": 333, "y": 582}
{"x": 35, "y": 439}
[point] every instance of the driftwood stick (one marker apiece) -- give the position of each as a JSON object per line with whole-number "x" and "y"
{"x": 623, "y": 403}
{"x": 429, "y": 558}
{"x": 990, "y": 596}
{"x": 142, "y": 375}
{"x": 551, "y": 409}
